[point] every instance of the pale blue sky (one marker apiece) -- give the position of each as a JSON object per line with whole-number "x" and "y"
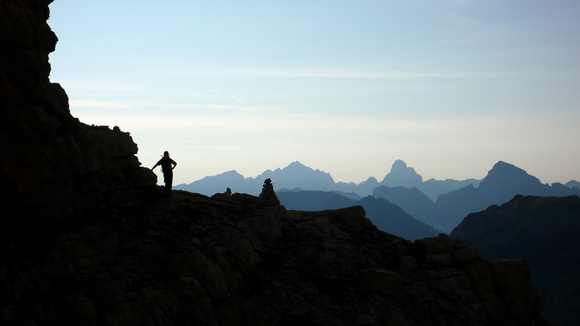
{"x": 348, "y": 87}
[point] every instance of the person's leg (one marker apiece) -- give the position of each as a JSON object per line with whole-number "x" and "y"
{"x": 168, "y": 183}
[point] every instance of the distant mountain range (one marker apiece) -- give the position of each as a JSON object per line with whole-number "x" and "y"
{"x": 385, "y": 216}
{"x": 297, "y": 175}
{"x": 292, "y": 176}
{"x": 544, "y": 231}
{"x": 439, "y": 203}
{"x": 501, "y": 184}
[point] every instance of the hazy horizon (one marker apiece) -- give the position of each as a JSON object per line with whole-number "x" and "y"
{"x": 379, "y": 178}
{"x": 449, "y": 87}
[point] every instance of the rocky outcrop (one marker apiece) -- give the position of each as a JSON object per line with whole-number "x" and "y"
{"x": 51, "y": 164}
{"x": 194, "y": 260}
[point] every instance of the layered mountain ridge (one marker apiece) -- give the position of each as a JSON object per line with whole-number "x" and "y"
{"x": 544, "y": 231}
{"x": 385, "y": 216}
{"x": 404, "y": 188}
{"x": 297, "y": 175}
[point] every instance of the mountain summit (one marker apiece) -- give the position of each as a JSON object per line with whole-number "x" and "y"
{"x": 297, "y": 175}
{"x": 402, "y": 176}
{"x": 505, "y": 179}
{"x": 500, "y": 185}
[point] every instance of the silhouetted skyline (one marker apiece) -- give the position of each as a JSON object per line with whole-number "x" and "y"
{"x": 450, "y": 87}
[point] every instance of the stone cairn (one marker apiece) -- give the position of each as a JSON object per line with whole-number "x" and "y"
{"x": 268, "y": 196}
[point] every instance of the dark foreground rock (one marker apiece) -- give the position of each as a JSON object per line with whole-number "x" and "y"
{"x": 241, "y": 260}
{"x": 51, "y": 164}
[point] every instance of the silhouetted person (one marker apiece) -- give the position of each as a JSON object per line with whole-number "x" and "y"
{"x": 167, "y": 166}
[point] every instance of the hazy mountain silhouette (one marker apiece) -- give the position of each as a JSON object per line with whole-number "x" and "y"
{"x": 219, "y": 183}
{"x": 444, "y": 208}
{"x": 385, "y": 215}
{"x": 452, "y": 207}
{"x": 364, "y": 188}
{"x": 401, "y": 175}
{"x": 433, "y": 188}
{"x": 544, "y": 231}
{"x": 572, "y": 184}
{"x": 349, "y": 195}
{"x": 502, "y": 183}
{"x": 309, "y": 200}
{"x": 393, "y": 219}
{"x": 412, "y": 200}
{"x": 297, "y": 175}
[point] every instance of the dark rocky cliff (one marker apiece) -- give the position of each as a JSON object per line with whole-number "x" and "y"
{"x": 51, "y": 164}
{"x": 86, "y": 240}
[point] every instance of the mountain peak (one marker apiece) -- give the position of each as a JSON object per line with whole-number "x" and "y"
{"x": 505, "y": 180}
{"x": 399, "y": 165}
{"x": 506, "y": 171}
{"x": 504, "y": 166}
{"x": 402, "y": 175}
{"x": 296, "y": 165}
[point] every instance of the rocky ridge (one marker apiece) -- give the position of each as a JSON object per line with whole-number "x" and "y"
{"x": 51, "y": 164}
{"x": 237, "y": 259}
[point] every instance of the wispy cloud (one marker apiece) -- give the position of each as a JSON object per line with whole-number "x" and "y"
{"x": 358, "y": 74}
{"x": 235, "y": 98}
{"x": 388, "y": 75}
{"x": 317, "y": 125}
{"x": 241, "y": 108}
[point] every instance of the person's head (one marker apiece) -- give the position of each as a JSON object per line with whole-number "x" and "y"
{"x": 166, "y": 154}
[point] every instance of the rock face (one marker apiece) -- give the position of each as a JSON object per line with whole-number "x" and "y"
{"x": 51, "y": 163}
{"x": 87, "y": 240}
{"x": 544, "y": 231}
{"x": 194, "y": 260}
